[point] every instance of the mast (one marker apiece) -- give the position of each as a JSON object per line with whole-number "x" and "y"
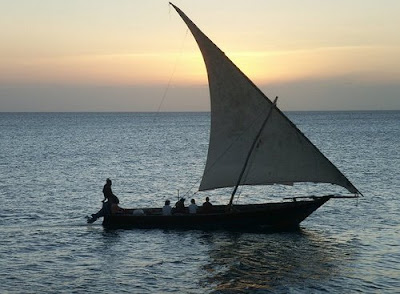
{"x": 251, "y": 150}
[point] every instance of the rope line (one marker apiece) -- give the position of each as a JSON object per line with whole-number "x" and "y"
{"x": 173, "y": 72}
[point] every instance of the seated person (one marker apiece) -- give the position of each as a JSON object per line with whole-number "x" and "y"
{"x": 136, "y": 212}
{"x": 166, "y": 210}
{"x": 180, "y": 206}
{"x": 192, "y": 207}
{"x": 207, "y": 206}
{"x": 110, "y": 203}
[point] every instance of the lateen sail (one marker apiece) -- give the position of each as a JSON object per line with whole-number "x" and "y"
{"x": 283, "y": 155}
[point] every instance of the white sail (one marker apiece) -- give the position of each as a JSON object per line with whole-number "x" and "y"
{"x": 283, "y": 155}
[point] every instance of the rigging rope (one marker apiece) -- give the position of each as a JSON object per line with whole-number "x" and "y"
{"x": 173, "y": 72}
{"x": 162, "y": 101}
{"x": 168, "y": 86}
{"x": 191, "y": 187}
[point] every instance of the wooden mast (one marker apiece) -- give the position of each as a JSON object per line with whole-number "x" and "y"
{"x": 251, "y": 150}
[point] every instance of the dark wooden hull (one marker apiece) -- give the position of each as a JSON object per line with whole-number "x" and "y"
{"x": 268, "y": 216}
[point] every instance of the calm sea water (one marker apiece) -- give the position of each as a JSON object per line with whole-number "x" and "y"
{"x": 53, "y": 167}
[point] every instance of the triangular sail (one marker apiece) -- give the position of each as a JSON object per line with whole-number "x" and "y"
{"x": 283, "y": 155}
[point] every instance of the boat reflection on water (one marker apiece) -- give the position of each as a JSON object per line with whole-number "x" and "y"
{"x": 282, "y": 262}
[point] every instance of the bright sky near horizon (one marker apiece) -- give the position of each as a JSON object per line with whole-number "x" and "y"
{"x": 102, "y": 55}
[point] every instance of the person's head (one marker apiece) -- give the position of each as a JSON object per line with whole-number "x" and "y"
{"x": 167, "y": 202}
{"x": 182, "y": 200}
{"x": 207, "y": 199}
{"x": 108, "y": 181}
{"x": 192, "y": 201}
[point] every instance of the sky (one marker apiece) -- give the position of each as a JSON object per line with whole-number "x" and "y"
{"x": 129, "y": 55}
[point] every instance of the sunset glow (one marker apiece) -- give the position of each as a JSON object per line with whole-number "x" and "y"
{"x": 102, "y": 43}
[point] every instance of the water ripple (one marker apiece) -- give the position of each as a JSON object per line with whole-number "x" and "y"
{"x": 53, "y": 167}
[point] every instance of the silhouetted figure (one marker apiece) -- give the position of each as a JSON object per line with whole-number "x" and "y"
{"x": 108, "y": 194}
{"x": 167, "y": 209}
{"x": 192, "y": 207}
{"x": 180, "y": 206}
{"x": 109, "y": 200}
{"x": 207, "y": 206}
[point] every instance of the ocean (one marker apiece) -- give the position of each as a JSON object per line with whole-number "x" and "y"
{"x": 53, "y": 167}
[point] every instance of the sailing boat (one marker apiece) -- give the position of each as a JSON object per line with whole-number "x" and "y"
{"x": 251, "y": 143}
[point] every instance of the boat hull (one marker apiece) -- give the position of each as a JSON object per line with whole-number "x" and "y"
{"x": 268, "y": 216}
